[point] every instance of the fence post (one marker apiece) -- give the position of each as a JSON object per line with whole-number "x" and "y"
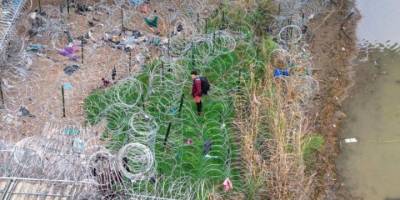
{"x": 181, "y": 104}
{"x": 1, "y": 96}
{"x": 40, "y": 7}
{"x": 130, "y": 60}
{"x": 122, "y": 20}
{"x": 167, "y": 134}
{"x": 82, "y": 49}
{"x": 68, "y": 6}
{"x": 63, "y": 99}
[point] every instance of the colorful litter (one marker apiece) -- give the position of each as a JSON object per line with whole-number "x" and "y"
{"x": 281, "y": 72}
{"x": 69, "y": 51}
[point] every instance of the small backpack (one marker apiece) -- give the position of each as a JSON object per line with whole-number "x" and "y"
{"x": 205, "y": 85}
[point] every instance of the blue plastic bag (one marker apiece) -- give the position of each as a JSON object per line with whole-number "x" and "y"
{"x": 281, "y": 72}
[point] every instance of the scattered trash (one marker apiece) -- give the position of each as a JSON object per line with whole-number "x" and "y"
{"x": 23, "y": 112}
{"x": 78, "y": 145}
{"x": 11, "y": 119}
{"x": 69, "y": 70}
{"x": 281, "y": 72}
{"x": 69, "y": 52}
{"x": 350, "y": 140}
{"x": 152, "y": 22}
{"x": 35, "y": 47}
{"x": 156, "y": 41}
{"x": 113, "y": 73}
{"x": 144, "y": 8}
{"x": 343, "y": 49}
{"x": 136, "y": 34}
{"x": 227, "y": 185}
{"x": 129, "y": 42}
{"x": 207, "y": 147}
{"x": 71, "y": 131}
{"x": 82, "y": 8}
{"x": 153, "y": 179}
{"x": 179, "y": 28}
{"x": 68, "y": 86}
{"x": 208, "y": 156}
{"x": 189, "y": 141}
{"x": 136, "y": 2}
{"x": 69, "y": 36}
{"x": 106, "y": 83}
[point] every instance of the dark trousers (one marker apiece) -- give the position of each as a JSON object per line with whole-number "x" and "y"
{"x": 199, "y": 107}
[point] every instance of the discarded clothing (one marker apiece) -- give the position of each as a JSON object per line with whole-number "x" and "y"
{"x": 69, "y": 70}
{"x": 68, "y": 86}
{"x": 136, "y": 2}
{"x": 106, "y": 83}
{"x": 207, "y": 147}
{"x": 69, "y": 36}
{"x": 136, "y": 34}
{"x": 152, "y": 22}
{"x": 35, "y": 47}
{"x": 155, "y": 41}
{"x": 113, "y": 74}
{"x": 23, "y": 112}
{"x": 227, "y": 185}
{"x": 281, "y": 72}
{"x": 173, "y": 111}
{"x": 179, "y": 28}
{"x": 78, "y": 145}
{"x": 71, "y": 131}
{"x": 69, "y": 52}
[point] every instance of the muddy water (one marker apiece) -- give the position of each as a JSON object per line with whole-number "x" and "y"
{"x": 370, "y": 168}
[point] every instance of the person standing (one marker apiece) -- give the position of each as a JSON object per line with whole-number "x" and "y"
{"x": 200, "y": 86}
{"x": 196, "y": 91}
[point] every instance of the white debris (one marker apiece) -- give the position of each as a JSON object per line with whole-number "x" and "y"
{"x": 350, "y": 140}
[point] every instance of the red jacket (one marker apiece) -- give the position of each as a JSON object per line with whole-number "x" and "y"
{"x": 196, "y": 88}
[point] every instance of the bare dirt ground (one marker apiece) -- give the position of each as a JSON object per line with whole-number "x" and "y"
{"x": 333, "y": 45}
{"x": 38, "y": 89}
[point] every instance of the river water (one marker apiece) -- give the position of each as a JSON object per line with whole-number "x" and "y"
{"x": 370, "y": 168}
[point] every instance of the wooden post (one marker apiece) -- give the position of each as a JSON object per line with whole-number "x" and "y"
{"x": 192, "y": 55}
{"x": 68, "y": 6}
{"x": 122, "y": 20}
{"x": 130, "y": 60}
{"x": 169, "y": 45}
{"x": 162, "y": 72}
{"x": 223, "y": 20}
{"x": 82, "y": 49}
{"x": 40, "y": 7}
{"x": 63, "y": 100}
{"x": 206, "y": 26}
{"x": 279, "y": 9}
{"x": 1, "y": 96}
{"x": 143, "y": 104}
{"x": 167, "y": 134}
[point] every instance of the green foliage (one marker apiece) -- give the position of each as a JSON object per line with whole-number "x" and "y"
{"x": 310, "y": 146}
{"x": 159, "y": 96}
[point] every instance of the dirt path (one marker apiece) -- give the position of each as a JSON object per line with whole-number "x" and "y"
{"x": 333, "y": 45}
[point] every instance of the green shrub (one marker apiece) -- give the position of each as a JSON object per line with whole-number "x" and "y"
{"x": 310, "y": 147}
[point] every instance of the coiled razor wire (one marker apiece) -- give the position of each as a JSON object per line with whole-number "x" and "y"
{"x": 135, "y": 160}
